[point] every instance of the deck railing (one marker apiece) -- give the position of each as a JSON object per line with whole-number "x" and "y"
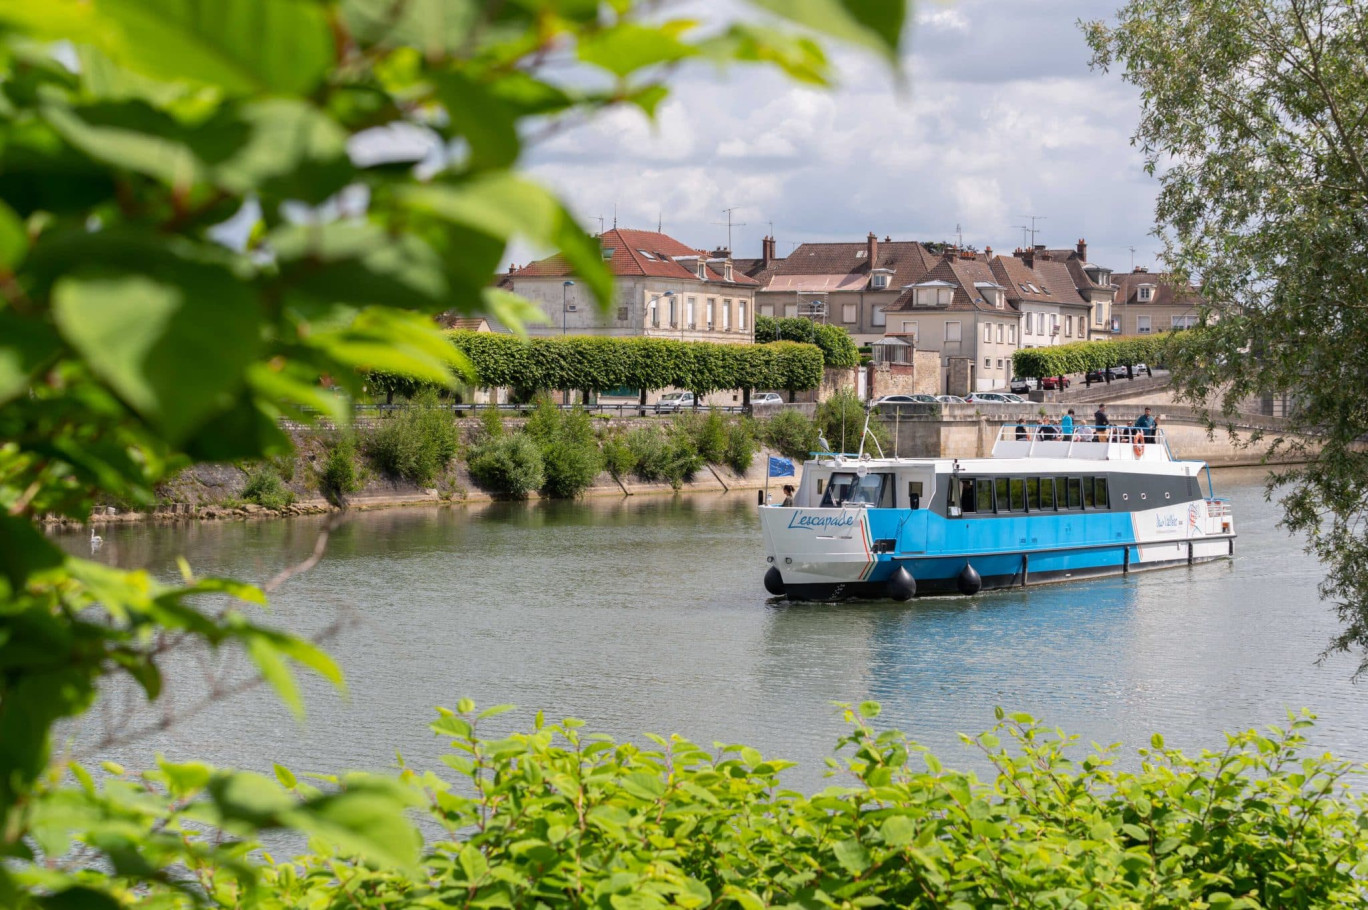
{"x": 1085, "y": 441}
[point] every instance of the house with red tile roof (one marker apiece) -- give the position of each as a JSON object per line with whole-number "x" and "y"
{"x": 1052, "y": 311}
{"x": 664, "y": 288}
{"x": 1093, "y": 283}
{"x": 847, "y": 284}
{"x": 1147, "y": 302}
{"x": 959, "y": 308}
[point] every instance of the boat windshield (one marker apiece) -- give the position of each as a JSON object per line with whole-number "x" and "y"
{"x": 847, "y": 489}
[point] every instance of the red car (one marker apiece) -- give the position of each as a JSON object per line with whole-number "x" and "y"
{"x": 1052, "y": 382}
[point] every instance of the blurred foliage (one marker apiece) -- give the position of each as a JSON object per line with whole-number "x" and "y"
{"x": 215, "y": 215}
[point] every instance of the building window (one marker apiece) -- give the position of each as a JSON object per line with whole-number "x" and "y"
{"x": 878, "y": 317}
{"x": 726, "y": 315}
{"x": 1097, "y": 315}
{"x": 1054, "y": 324}
{"x": 850, "y": 312}
{"x": 987, "y": 363}
{"x": 1185, "y": 322}
{"x": 655, "y": 313}
{"x": 1146, "y": 292}
{"x": 1011, "y": 334}
{"x": 740, "y": 315}
{"x": 999, "y": 363}
{"x": 702, "y": 271}
{"x": 909, "y": 327}
{"x": 1026, "y": 325}
{"x": 1142, "y": 325}
{"x": 952, "y": 332}
{"x": 712, "y": 310}
{"x": 790, "y": 310}
{"x": 987, "y": 333}
{"x": 1068, "y": 326}
{"x": 1001, "y": 328}
{"x": 689, "y": 311}
{"x": 674, "y": 316}
{"x": 878, "y": 282}
{"x": 622, "y": 314}
{"x": 766, "y": 309}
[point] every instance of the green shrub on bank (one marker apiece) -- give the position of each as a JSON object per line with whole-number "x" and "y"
{"x": 790, "y": 433}
{"x": 509, "y": 466}
{"x": 741, "y": 445}
{"x": 664, "y": 457}
{"x": 708, "y": 432}
{"x": 416, "y": 443}
{"x": 554, "y": 816}
{"x": 569, "y": 450}
{"x": 618, "y": 456}
{"x": 265, "y": 488}
{"x": 841, "y": 419}
{"x": 338, "y": 476}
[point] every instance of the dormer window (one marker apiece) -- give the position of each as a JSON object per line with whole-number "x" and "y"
{"x": 702, "y": 271}
{"x": 647, "y": 255}
{"x": 1146, "y": 292}
{"x": 878, "y": 282}
{"x": 608, "y": 252}
{"x": 729, "y": 271}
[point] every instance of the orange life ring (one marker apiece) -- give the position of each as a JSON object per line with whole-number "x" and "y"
{"x": 1139, "y": 449}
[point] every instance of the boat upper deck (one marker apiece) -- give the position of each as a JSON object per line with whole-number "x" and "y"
{"x": 1087, "y": 443}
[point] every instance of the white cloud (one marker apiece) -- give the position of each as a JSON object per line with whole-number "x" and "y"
{"x": 1002, "y": 119}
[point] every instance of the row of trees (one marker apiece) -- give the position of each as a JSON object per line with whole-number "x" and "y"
{"x": 838, "y": 348}
{"x": 596, "y": 364}
{"x": 1083, "y": 356}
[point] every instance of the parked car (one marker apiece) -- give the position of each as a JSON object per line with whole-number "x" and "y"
{"x": 906, "y": 399}
{"x": 1012, "y": 399}
{"x": 1051, "y": 383}
{"x": 1020, "y": 386}
{"x": 674, "y": 401}
{"x": 760, "y": 398}
{"x": 950, "y": 399}
{"x": 990, "y": 398}
{"x": 1096, "y": 376}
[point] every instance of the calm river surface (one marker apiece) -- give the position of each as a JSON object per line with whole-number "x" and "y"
{"x": 648, "y": 614}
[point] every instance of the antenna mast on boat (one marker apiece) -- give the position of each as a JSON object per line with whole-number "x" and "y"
{"x": 868, "y": 411}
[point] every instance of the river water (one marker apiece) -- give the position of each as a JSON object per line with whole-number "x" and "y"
{"x": 648, "y": 615}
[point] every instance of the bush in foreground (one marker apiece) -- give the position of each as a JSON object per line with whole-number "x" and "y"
{"x": 416, "y": 443}
{"x": 557, "y": 817}
{"x": 265, "y": 488}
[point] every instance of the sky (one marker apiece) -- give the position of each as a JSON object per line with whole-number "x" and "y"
{"x": 1001, "y": 119}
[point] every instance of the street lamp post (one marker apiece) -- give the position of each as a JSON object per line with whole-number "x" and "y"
{"x": 565, "y": 301}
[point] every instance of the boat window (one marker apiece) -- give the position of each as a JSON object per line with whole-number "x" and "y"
{"x": 985, "y": 494}
{"x": 1018, "y": 487}
{"x": 914, "y": 494}
{"x": 821, "y": 485}
{"x": 1001, "y": 490}
{"x": 963, "y": 495}
{"x": 1102, "y": 501}
{"x": 873, "y": 490}
{"x": 838, "y": 489}
{"x": 1032, "y": 494}
{"x": 1047, "y": 493}
{"x": 1075, "y": 492}
{"x": 1088, "y": 501}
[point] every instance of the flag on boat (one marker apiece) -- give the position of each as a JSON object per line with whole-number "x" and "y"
{"x": 780, "y": 467}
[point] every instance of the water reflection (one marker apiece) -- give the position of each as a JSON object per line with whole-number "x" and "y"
{"x": 648, "y": 613}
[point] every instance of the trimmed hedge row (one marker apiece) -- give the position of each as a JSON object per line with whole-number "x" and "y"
{"x": 1082, "y": 356}
{"x": 596, "y": 364}
{"x": 838, "y": 348}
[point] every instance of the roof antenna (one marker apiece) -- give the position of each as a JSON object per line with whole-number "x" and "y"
{"x": 660, "y": 221}
{"x": 730, "y": 224}
{"x": 959, "y": 231}
{"x": 1034, "y": 230}
{"x": 600, "y": 220}
{"x": 1024, "y": 229}
{"x": 615, "y": 216}
{"x": 1132, "y": 249}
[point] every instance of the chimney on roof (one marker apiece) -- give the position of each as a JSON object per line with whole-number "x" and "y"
{"x": 987, "y": 252}
{"x": 1082, "y": 249}
{"x": 950, "y": 253}
{"x": 720, "y": 253}
{"x": 1140, "y": 269}
{"x": 871, "y": 248}
{"x": 767, "y": 251}
{"x": 888, "y": 238}
{"x": 1026, "y": 256}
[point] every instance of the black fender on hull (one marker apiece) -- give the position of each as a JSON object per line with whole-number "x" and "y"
{"x": 901, "y": 585}
{"x": 969, "y": 582}
{"x": 774, "y": 582}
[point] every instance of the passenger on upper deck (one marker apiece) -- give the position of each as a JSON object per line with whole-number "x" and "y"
{"x": 1049, "y": 430}
{"x": 1101, "y": 422}
{"x": 1147, "y": 425}
{"x": 1022, "y": 432}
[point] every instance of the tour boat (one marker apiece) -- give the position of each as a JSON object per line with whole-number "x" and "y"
{"x": 1043, "y": 508}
